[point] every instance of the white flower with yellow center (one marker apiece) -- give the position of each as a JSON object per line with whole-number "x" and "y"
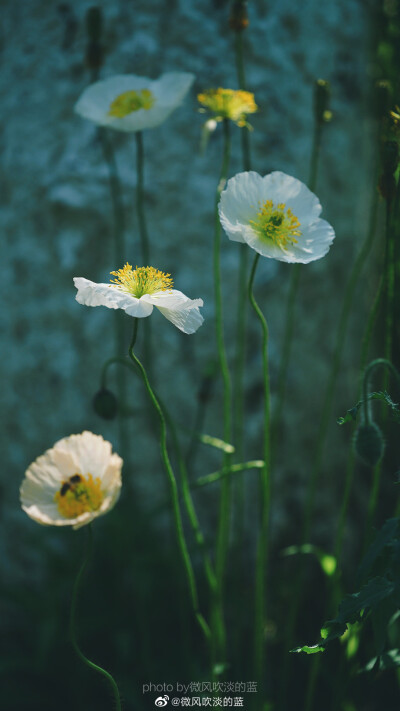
{"x": 276, "y": 215}
{"x": 137, "y": 291}
{"x": 130, "y": 103}
{"x": 73, "y": 483}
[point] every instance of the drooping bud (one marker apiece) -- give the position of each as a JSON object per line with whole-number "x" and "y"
{"x": 239, "y": 20}
{"x": 369, "y": 444}
{"x": 105, "y": 404}
{"x": 322, "y": 95}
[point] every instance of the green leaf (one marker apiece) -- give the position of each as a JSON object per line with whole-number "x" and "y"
{"x": 313, "y": 649}
{"x": 217, "y": 443}
{"x": 216, "y": 476}
{"x": 326, "y": 561}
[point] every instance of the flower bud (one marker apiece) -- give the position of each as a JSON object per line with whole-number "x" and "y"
{"x": 105, "y": 404}
{"x": 322, "y": 95}
{"x": 369, "y": 444}
{"x": 239, "y": 20}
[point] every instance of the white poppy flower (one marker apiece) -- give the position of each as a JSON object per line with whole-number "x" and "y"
{"x": 72, "y": 483}
{"x": 276, "y": 215}
{"x": 130, "y": 103}
{"x": 137, "y": 291}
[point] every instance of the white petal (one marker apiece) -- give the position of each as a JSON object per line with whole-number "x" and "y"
{"x": 168, "y": 92}
{"x": 282, "y": 188}
{"x": 85, "y": 453}
{"x": 179, "y": 309}
{"x": 92, "y": 294}
{"x": 171, "y": 88}
{"x": 241, "y": 201}
{"x": 94, "y": 104}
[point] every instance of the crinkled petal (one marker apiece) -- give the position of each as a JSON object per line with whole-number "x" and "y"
{"x": 92, "y": 294}
{"x": 179, "y": 309}
{"x": 247, "y": 192}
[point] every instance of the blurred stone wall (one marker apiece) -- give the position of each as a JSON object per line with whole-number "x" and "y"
{"x": 57, "y": 223}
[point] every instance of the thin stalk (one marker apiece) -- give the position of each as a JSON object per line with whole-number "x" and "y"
{"x": 119, "y": 258}
{"x": 337, "y": 357}
{"x": 72, "y": 619}
{"x": 262, "y": 545}
{"x": 224, "y": 512}
{"x": 240, "y": 352}
{"x": 173, "y": 488}
{"x": 292, "y": 295}
{"x": 144, "y": 236}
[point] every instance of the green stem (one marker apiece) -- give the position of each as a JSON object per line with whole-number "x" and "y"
{"x": 119, "y": 258}
{"x": 330, "y": 390}
{"x": 72, "y": 620}
{"x": 262, "y": 546}
{"x": 144, "y": 238}
{"x": 174, "y": 490}
{"x": 292, "y": 294}
{"x": 224, "y": 513}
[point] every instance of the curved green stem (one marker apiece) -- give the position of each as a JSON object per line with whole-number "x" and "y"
{"x": 173, "y": 488}
{"x": 72, "y": 620}
{"x": 262, "y": 546}
{"x": 224, "y": 517}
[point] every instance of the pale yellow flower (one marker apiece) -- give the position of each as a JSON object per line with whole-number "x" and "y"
{"x": 72, "y": 483}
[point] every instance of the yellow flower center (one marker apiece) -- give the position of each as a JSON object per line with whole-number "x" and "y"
{"x": 78, "y": 495}
{"x": 277, "y": 223}
{"x": 142, "y": 280}
{"x": 230, "y": 104}
{"x": 131, "y": 101}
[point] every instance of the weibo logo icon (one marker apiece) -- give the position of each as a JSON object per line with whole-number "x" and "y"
{"x": 161, "y": 700}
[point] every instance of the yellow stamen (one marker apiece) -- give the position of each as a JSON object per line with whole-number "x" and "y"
{"x": 78, "y": 495}
{"x": 230, "y": 104}
{"x": 142, "y": 280}
{"x": 277, "y": 223}
{"x": 131, "y": 101}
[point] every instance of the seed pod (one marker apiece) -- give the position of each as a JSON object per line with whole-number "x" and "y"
{"x": 105, "y": 404}
{"x": 369, "y": 444}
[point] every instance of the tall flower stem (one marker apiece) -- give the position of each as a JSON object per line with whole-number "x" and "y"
{"x": 340, "y": 341}
{"x": 144, "y": 237}
{"x": 238, "y": 375}
{"x": 143, "y": 232}
{"x": 292, "y": 294}
{"x": 119, "y": 257}
{"x": 262, "y": 545}
{"x": 173, "y": 488}
{"x": 224, "y": 513}
{"x": 72, "y": 619}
